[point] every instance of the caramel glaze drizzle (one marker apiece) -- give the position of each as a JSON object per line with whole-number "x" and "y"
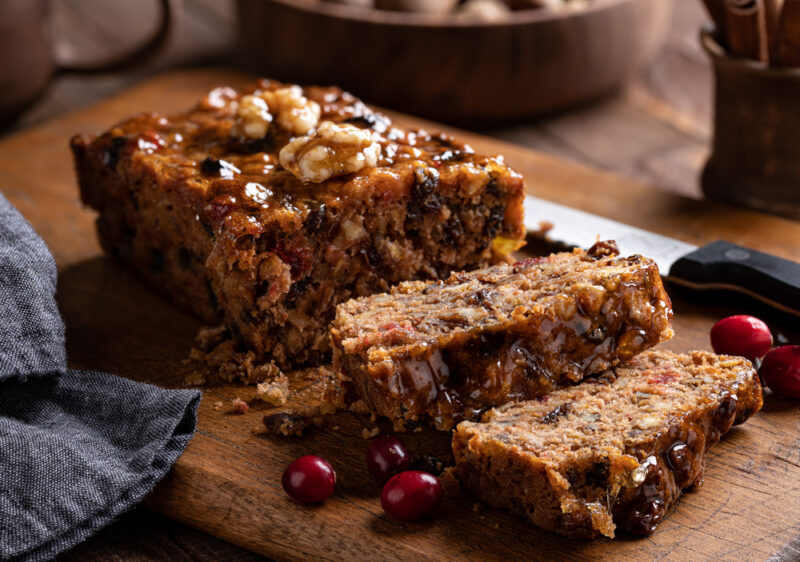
{"x": 460, "y": 382}
{"x": 677, "y": 460}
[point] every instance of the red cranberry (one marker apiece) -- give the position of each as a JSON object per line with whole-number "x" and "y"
{"x": 309, "y": 479}
{"x": 298, "y": 259}
{"x": 411, "y": 495}
{"x": 781, "y": 371}
{"x": 386, "y": 457}
{"x": 742, "y": 335}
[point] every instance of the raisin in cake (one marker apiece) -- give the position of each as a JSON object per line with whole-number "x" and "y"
{"x": 444, "y": 351}
{"x": 612, "y": 453}
{"x": 265, "y": 208}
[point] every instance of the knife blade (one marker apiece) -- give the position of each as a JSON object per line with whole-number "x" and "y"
{"x": 719, "y": 265}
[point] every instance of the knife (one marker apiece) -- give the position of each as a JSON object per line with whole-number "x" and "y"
{"x": 718, "y": 265}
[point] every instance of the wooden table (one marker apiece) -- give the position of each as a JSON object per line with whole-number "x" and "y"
{"x": 227, "y": 480}
{"x": 656, "y": 130}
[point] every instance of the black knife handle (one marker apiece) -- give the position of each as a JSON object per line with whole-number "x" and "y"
{"x": 722, "y": 265}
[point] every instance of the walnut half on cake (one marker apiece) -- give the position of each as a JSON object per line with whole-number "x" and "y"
{"x": 612, "y": 453}
{"x": 266, "y": 208}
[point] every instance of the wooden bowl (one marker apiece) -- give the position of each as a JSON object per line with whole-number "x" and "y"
{"x": 451, "y": 69}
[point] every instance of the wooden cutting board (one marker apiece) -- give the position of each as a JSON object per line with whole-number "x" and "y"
{"x": 228, "y": 481}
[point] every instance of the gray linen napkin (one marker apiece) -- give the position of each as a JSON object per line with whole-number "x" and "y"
{"x": 77, "y": 448}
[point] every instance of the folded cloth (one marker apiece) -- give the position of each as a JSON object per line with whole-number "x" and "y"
{"x": 77, "y": 448}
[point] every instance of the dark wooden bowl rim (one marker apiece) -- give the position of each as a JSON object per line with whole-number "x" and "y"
{"x": 418, "y": 19}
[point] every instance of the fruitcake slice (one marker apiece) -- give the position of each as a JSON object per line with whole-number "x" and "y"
{"x": 445, "y": 351}
{"x": 611, "y": 453}
{"x": 267, "y": 207}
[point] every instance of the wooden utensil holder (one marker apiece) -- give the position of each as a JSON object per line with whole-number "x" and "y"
{"x": 755, "y": 157}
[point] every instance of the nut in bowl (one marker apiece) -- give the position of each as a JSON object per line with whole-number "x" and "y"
{"x": 457, "y": 66}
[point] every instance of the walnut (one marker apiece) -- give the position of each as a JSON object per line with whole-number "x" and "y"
{"x": 217, "y": 98}
{"x": 296, "y": 113}
{"x": 252, "y": 118}
{"x": 293, "y": 111}
{"x": 332, "y": 150}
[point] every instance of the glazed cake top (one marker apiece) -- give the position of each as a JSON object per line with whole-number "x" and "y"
{"x": 284, "y": 149}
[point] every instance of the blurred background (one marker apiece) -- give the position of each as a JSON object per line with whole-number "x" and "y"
{"x": 654, "y": 126}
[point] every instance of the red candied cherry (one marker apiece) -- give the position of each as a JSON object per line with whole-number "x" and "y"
{"x": 309, "y": 479}
{"x": 411, "y": 495}
{"x": 386, "y": 456}
{"x": 742, "y": 335}
{"x": 781, "y": 371}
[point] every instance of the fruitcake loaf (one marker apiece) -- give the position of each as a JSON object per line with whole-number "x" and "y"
{"x": 439, "y": 352}
{"x": 609, "y": 453}
{"x": 267, "y": 207}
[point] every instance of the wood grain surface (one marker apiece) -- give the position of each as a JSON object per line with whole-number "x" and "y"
{"x": 228, "y": 481}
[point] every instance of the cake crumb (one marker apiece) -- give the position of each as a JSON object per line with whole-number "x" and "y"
{"x": 428, "y": 463}
{"x": 477, "y": 507}
{"x": 210, "y": 336}
{"x": 195, "y": 379}
{"x": 369, "y": 433}
{"x": 283, "y": 423}
{"x": 497, "y": 526}
{"x": 359, "y": 407}
{"x": 275, "y": 392}
{"x": 255, "y": 429}
{"x": 451, "y": 486}
{"x": 218, "y": 405}
{"x": 239, "y": 405}
{"x": 217, "y": 360}
{"x": 327, "y": 408}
